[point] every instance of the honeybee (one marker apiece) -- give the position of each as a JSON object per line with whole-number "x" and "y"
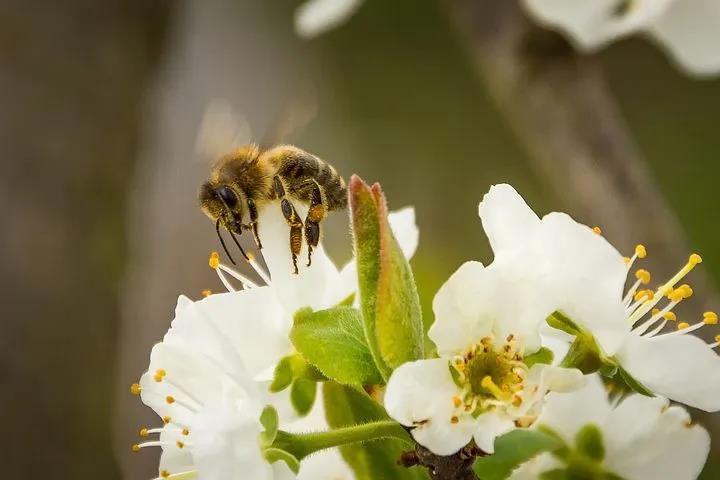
{"x": 245, "y": 181}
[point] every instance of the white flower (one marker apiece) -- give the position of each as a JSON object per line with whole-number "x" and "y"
{"x": 688, "y": 29}
{"x": 315, "y": 17}
{"x": 643, "y": 438}
{"x": 583, "y": 276}
{"x": 211, "y": 427}
{"x": 487, "y": 323}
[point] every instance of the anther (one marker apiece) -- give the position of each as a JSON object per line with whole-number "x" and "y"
{"x": 597, "y": 230}
{"x": 454, "y": 419}
{"x": 166, "y": 419}
{"x": 641, "y": 251}
{"x": 710, "y": 318}
{"x": 180, "y": 444}
{"x": 695, "y": 259}
{"x": 670, "y": 316}
{"x": 457, "y": 401}
{"x": 683, "y": 325}
{"x": 170, "y": 399}
{"x": 144, "y": 432}
{"x": 686, "y": 290}
{"x": 717, "y": 338}
{"x": 206, "y": 293}
{"x": 164, "y": 473}
{"x": 214, "y": 260}
{"x": 643, "y": 275}
{"x": 135, "y": 389}
{"x": 135, "y": 447}
{"x": 626, "y": 260}
{"x": 186, "y": 431}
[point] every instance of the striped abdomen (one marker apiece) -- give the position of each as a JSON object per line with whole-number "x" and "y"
{"x": 299, "y": 168}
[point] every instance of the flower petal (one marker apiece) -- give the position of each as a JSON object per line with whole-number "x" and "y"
{"x": 325, "y": 465}
{"x": 488, "y": 427}
{"x": 689, "y": 31}
{"x": 681, "y": 367}
{"x": 420, "y": 395}
{"x": 663, "y": 441}
{"x": 506, "y": 218}
{"x": 402, "y": 223}
{"x": 587, "y": 276}
{"x": 315, "y": 17}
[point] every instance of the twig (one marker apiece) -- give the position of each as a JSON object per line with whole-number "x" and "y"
{"x": 453, "y": 467}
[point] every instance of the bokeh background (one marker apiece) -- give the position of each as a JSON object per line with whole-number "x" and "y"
{"x": 100, "y": 105}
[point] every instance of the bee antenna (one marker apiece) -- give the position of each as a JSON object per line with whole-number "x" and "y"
{"x": 239, "y": 246}
{"x": 222, "y": 242}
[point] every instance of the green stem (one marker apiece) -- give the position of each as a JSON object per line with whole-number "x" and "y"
{"x": 303, "y": 444}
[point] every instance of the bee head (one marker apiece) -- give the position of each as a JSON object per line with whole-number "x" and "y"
{"x": 222, "y": 203}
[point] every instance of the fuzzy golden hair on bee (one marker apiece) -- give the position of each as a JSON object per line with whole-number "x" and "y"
{"x": 250, "y": 179}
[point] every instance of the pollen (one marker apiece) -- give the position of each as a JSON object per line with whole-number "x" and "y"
{"x": 186, "y": 431}
{"x": 717, "y": 338}
{"x": 626, "y": 259}
{"x": 644, "y": 294}
{"x": 670, "y": 316}
{"x": 166, "y": 419}
{"x": 164, "y": 473}
{"x": 159, "y": 375}
{"x": 695, "y": 259}
{"x": 454, "y": 420}
{"x": 206, "y": 293}
{"x": 644, "y": 276}
{"x": 641, "y": 251}
{"x": 457, "y": 401}
{"x": 135, "y": 447}
{"x": 170, "y": 399}
{"x": 135, "y": 389}
{"x": 144, "y": 432}
{"x": 683, "y": 325}
{"x": 686, "y": 290}
{"x": 214, "y": 260}
{"x": 180, "y": 444}
{"x": 710, "y": 318}
{"x": 597, "y": 230}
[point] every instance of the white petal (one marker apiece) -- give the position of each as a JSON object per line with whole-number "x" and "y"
{"x": 318, "y": 16}
{"x": 587, "y": 276}
{"x": 690, "y": 30}
{"x": 420, "y": 395}
{"x": 507, "y": 220}
{"x": 591, "y": 25}
{"x": 663, "y": 442}
{"x": 543, "y": 379}
{"x": 532, "y": 469}
{"x": 402, "y": 223}
{"x": 488, "y": 427}
{"x": 281, "y": 471}
{"x": 460, "y": 319}
{"x": 251, "y": 323}
{"x": 174, "y": 459}
{"x": 325, "y": 465}
{"x": 681, "y": 367}
{"x": 566, "y": 413}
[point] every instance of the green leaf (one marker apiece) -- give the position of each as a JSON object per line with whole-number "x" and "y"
{"x": 283, "y": 376}
{"x": 560, "y": 321}
{"x": 377, "y": 460}
{"x": 388, "y": 296}
{"x": 334, "y": 342}
{"x": 584, "y": 354}
{"x": 302, "y": 395}
{"x": 512, "y": 450}
{"x": 269, "y": 419}
{"x": 544, "y": 355}
{"x": 589, "y": 442}
{"x": 627, "y": 381}
{"x": 273, "y": 455}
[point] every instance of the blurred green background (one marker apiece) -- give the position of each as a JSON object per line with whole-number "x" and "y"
{"x": 101, "y": 106}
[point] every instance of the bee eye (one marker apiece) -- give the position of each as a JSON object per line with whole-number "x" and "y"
{"x": 228, "y": 196}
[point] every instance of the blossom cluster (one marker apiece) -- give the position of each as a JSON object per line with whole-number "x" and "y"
{"x": 550, "y": 339}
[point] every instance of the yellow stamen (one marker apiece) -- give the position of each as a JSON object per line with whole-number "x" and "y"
{"x": 454, "y": 419}
{"x": 683, "y": 325}
{"x": 643, "y": 275}
{"x": 457, "y": 401}
{"x": 626, "y": 259}
{"x": 170, "y": 399}
{"x": 655, "y": 311}
{"x": 644, "y": 294}
{"x": 206, "y": 293}
{"x": 164, "y": 473}
{"x": 214, "y": 261}
{"x": 710, "y": 318}
{"x": 670, "y": 316}
{"x": 135, "y": 389}
{"x": 166, "y": 419}
{"x": 488, "y": 384}
{"x": 675, "y": 295}
{"x": 641, "y": 251}
{"x": 695, "y": 259}
{"x": 144, "y": 432}
{"x": 717, "y": 338}
{"x": 186, "y": 431}
{"x": 597, "y": 230}
{"x": 180, "y": 444}
{"x": 686, "y": 290}
{"x": 135, "y": 447}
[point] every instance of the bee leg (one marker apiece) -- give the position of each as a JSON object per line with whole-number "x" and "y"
{"x": 316, "y": 214}
{"x": 293, "y": 220}
{"x": 252, "y": 209}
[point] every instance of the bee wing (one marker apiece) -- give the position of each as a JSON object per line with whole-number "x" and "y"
{"x": 222, "y": 130}
{"x": 294, "y": 116}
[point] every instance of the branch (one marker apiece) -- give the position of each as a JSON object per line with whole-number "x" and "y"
{"x": 560, "y": 107}
{"x": 454, "y": 467}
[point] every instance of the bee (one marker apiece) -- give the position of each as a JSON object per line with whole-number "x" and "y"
{"x": 249, "y": 179}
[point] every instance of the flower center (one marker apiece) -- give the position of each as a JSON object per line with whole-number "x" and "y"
{"x": 490, "y": 375}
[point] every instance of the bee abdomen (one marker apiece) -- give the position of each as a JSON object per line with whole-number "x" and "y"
{"x": 296, "y": 170}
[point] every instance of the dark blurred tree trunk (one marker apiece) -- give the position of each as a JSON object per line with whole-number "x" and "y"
{"x": 72, "y": 80}
{"x": 562, "y": 110}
